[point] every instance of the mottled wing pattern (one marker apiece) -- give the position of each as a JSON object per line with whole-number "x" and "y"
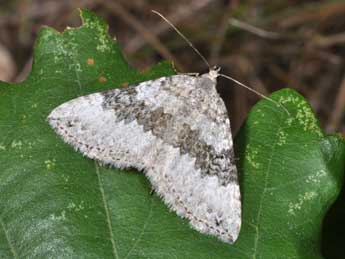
{"x": 174, "y": 128}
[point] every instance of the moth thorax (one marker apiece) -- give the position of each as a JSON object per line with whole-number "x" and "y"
{"x": 213, "y": 74}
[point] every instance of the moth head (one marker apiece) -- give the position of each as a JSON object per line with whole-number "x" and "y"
{"x": 213, "y": 73}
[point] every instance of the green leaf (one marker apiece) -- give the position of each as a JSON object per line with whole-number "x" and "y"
{"x": 291, "y": 174}
{"x": 56, "y": 203}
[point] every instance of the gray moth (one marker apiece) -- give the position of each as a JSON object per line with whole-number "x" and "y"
{"x": 177, "y": 131}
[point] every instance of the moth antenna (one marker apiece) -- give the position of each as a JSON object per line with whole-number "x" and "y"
{"x": 183, "y": 37}
{"x": 254, "y": 91}
{"x": 208, "y": 64}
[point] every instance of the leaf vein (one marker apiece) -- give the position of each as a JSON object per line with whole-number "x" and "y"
{"x": 142, "y": 230}
{"x": 267, "y": 173}
{"x": 14, "y": 253}
{"x": 105, "y": 204}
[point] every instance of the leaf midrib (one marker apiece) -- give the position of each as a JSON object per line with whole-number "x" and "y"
{"x": 106, "y": 209}
{"x": 267, "y": 173}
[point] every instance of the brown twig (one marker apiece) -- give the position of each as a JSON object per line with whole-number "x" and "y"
{"x": 150, "y": 37}
{"x": 7, "y": 65}
{"x": 220, "y": 34}
{"x": 24, "y": 72}
{"x": 255, "y": 30}
{"x": 328, "y": 41}
{"x": 285, "y": 77}
{"x": 321, "y": 12}
{"x": 180, "y": 13}
{"x": 339, "y": 109}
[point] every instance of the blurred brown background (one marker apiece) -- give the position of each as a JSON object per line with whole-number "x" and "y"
{"x": 266, "y": 44}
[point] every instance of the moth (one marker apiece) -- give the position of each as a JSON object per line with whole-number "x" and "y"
{"x": 176, "y": 130}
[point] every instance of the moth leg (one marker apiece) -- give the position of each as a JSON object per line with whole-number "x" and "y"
{"x": 152, "y": 191}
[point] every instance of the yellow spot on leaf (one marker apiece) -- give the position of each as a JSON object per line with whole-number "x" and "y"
{"x": 2, "y": 147}
{"x": 281, "y": 138}
{"x": 252, "y": 156}
{"x": 17, "y": 144}
{"x": 316, "y": 178}
{"x": 90, "y": 61}
{"x": 50, "y": 164}
{"x": 60, "y": 217}
{"x": 295, "y": 207}
{"x": 102, "y": 79}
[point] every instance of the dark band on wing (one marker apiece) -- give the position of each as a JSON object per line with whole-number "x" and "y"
{"x": 180, "y": 135}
